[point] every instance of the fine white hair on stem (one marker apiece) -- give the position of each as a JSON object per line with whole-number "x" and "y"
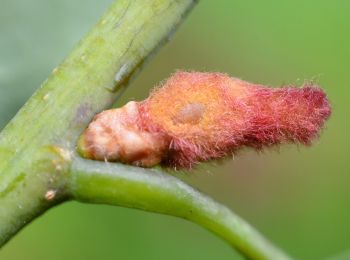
{"x": 121, "y": 72}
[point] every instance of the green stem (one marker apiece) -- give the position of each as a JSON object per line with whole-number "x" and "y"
{"x": 152, "y": 190}
{"x": 37, "y": 145}
{"x": 38, "y": 164}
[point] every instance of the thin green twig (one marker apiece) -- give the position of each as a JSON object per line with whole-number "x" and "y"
{"x": 36, "y": 146}
{"x": 38, "y": 163}
{"x": 156, "y": 191}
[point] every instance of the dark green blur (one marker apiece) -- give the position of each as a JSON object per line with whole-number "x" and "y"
{"x": 298, "y": 197}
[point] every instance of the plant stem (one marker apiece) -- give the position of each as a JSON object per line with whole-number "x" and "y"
{"x": 36, "y": 147}
{"x": 39, "y": 167}
{"x": 155, "y": 191}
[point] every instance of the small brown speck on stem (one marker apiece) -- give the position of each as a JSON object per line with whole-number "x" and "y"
{"x": 50, "y": 195}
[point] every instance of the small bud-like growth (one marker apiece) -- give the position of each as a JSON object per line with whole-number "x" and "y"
{"x": 197, "y": 117}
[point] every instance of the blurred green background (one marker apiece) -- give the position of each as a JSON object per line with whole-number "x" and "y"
{"x": 298, "y": 197}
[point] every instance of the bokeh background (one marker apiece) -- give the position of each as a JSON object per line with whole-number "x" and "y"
{"x": 298, "y": 197}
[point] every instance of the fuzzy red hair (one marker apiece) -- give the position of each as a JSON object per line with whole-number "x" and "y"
{"x": 235, "y": 113}
{"x": 203, "y": 116}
